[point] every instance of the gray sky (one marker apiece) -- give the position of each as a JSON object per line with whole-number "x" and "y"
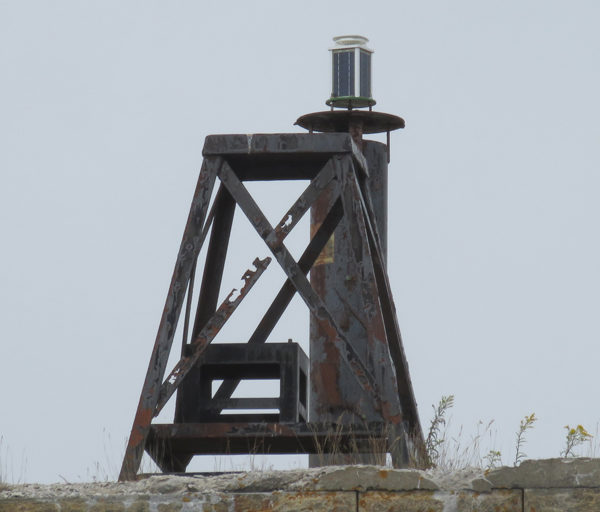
{"x": 494, "y": 185}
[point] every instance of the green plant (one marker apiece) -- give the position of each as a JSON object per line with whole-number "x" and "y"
{"x": 435, "y": 436}
{"x": 525, "y": 425}
{"x": 493, "y": 458}
{"x": 575, "y": 436}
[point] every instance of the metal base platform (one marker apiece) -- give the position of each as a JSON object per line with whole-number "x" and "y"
{"x": 169, "y": 443}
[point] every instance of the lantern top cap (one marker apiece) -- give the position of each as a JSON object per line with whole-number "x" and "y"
{"x": 351, "y": 41}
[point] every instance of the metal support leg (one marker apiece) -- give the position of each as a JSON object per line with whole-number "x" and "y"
{"x": 188, "y": 253}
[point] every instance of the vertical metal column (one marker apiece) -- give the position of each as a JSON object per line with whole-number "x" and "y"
{"x": 377, "y": 184}
{"x": 336, "y": 277}
{"x": 187, "y": 408}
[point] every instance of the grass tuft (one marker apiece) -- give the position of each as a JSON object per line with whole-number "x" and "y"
{"x": 437, "y": 430}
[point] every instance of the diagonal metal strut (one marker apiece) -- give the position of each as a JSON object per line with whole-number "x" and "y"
{"x": 287, "y": 292}
{"x": 297, "y": 277}
{"x": 208, "y": 333}
{"x": 405, "y": 389}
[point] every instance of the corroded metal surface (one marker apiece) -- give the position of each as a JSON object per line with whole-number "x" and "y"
{"x": 287, "y": 291}
{"x": 342, "y": 120}
{"x": 208, "y": 333}
{"x": 359, "y": 374}
{"x": 222, "y": 212}
{"x": 284, "y": 156}
{"x": 232, "y": 438}
{"x": 346, "y": 282}
{"x": 188, "y": 253}
{"x": 407, "y": 398}
{"x": 285, "y": 362}
{"x": 318, "y": 309}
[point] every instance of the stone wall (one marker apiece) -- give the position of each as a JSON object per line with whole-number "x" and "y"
{"x": 553, "y": 485}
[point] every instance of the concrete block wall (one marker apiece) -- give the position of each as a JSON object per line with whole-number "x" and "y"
{"x": 553, "y": 485}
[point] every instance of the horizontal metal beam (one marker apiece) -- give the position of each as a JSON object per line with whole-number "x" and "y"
{"x": 268, "y": 438}
{"x": 242, "y": 403}
{"x": 282, "y": 147}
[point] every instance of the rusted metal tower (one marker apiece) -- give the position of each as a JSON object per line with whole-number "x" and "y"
{"x": 352, "y": 399}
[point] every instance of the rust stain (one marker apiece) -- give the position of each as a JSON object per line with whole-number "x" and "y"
{"x": 328, "y": 377}
{"x": 143, "y": 418}
{"x": 327, "y": 253}
{"x": 395, "y": 419}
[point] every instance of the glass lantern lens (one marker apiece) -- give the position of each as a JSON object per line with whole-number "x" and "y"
{"x": 343, "y": 73}
{"x": 365, "y": 74}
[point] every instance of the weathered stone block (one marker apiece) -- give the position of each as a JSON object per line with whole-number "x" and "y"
{"x": 562, "y": 500}
{"x": 363, "y": 478}
{"x": 113, "y": 504}
{"x": 110, "y": 505}
{"x": 18, "y": 505}
{"x": 169, "y": 507}
{"x": 427, "y": 501}
{"x": 296, "y": 502}
{"x": 548, "y": 473}
{"x": 73, "y": 505}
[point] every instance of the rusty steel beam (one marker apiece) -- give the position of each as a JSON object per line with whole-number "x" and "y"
{"x": 316, "y": 187}
{"x": 323, "y": 182}
{"x": 298, "y": 278}
{"x": 405, "y": 389}
{"x": 224, "y": 209}
{"x": 305, "y": 263}
{"x": 185, "y": 439}
{"x": 222, "y": 212}
{"x": 208, "y": 333}
{"x": 290, "y": 147}
{"x": 376, "y": 336}
{"x": 371, "y": 314}
{"x": 190, "y": 291}
{"x": 287, "y": 292}
{"x": 188, "y": 253}
{"x": 188, "y": 307}
{"x": 344, "y": 280}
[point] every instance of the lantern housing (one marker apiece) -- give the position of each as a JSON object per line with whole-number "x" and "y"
{"x": 351, "y": 73}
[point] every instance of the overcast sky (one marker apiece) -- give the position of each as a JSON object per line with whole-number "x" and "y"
{"x": 493, "y": 214}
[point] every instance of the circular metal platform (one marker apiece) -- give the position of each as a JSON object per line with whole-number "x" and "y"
{"x": 341, "y": 120}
